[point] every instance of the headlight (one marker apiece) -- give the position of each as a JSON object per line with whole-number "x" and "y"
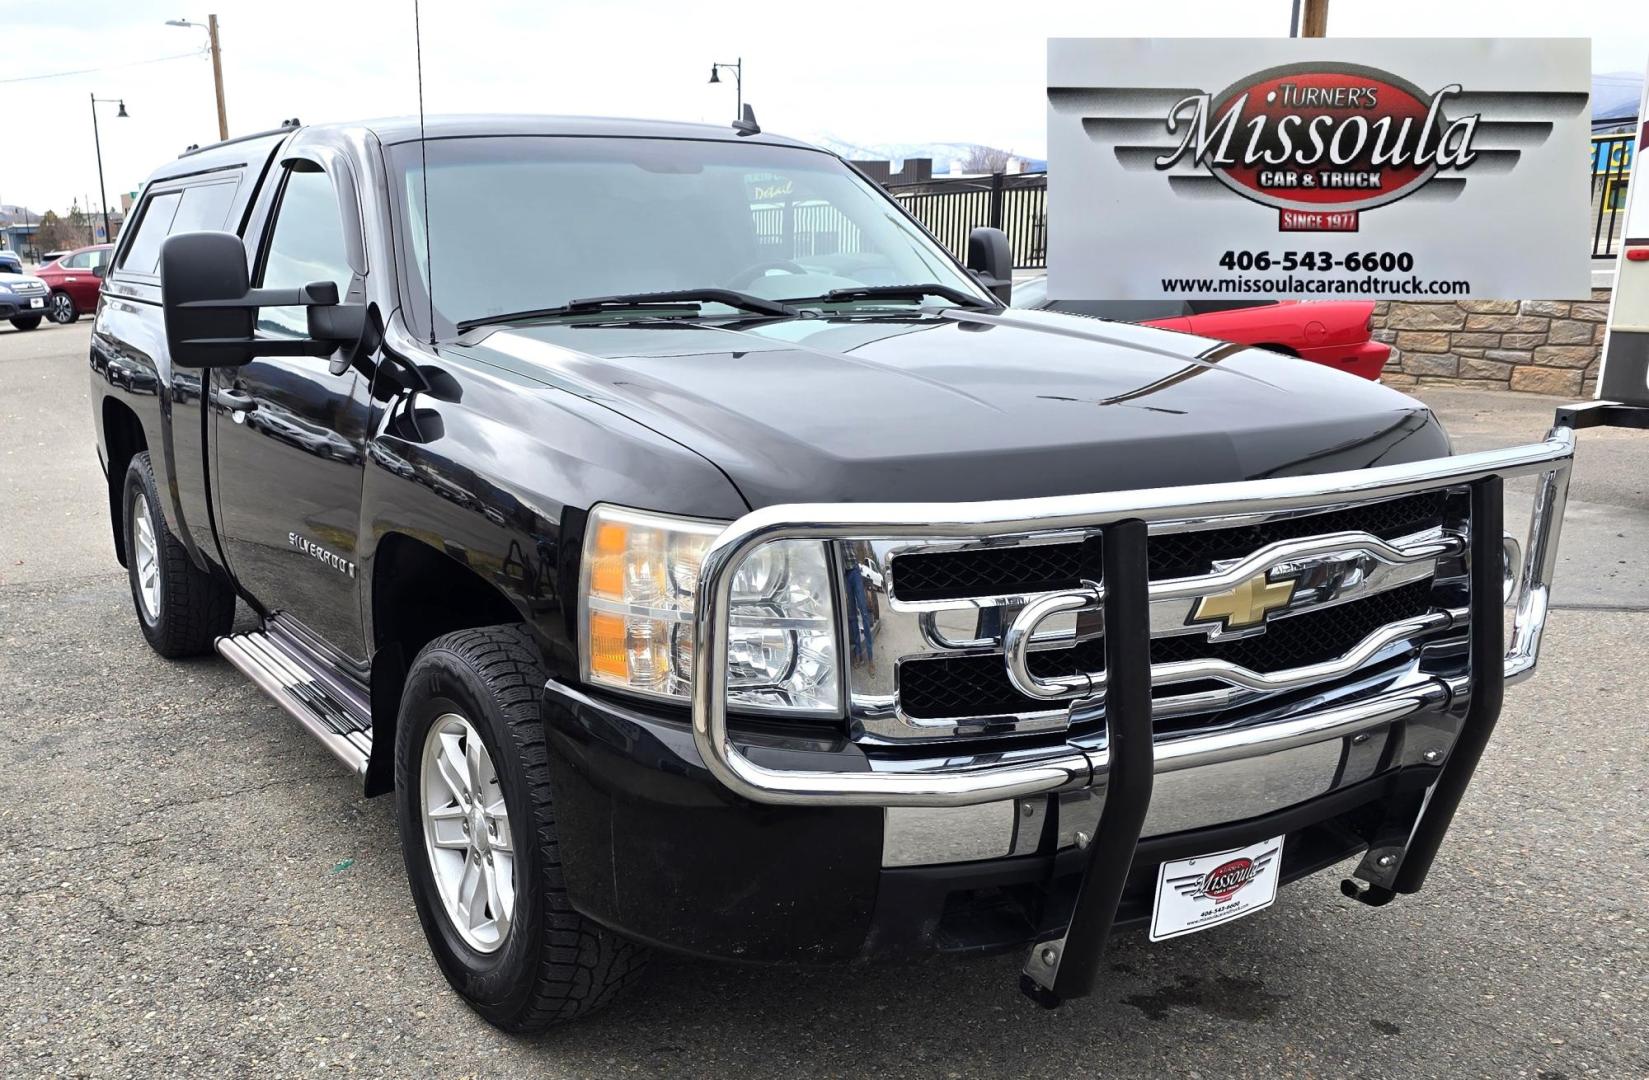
{"x": 640, "y": 580}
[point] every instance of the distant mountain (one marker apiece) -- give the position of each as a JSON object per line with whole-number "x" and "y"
{"x": 947, "y": 156}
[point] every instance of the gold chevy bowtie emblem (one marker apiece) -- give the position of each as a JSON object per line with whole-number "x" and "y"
{"x": 1245, "y": 605}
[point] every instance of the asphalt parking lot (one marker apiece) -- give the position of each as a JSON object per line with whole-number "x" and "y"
{"x": 189, "y": 885}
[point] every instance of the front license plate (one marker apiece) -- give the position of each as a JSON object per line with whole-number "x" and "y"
{"x": 1194, "y": 894}
{"x": 37, "y": 301}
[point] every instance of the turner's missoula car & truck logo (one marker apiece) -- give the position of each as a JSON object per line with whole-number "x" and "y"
{"x": 1322, "y": 141}
{"x": 1225, "y": 880}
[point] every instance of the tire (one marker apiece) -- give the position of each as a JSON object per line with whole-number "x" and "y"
{"x": 27, "y": 322}
{"x": 61, "y": 308}
{"x": 181, "y": 608}
{"x": 549, "y": 964}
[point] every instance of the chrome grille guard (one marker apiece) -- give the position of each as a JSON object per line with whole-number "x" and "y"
{"x": 963, "y": 779}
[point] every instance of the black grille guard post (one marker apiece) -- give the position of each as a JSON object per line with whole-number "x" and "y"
{"x": 1066, "y": 966}
{"x": 1487, "y": 688}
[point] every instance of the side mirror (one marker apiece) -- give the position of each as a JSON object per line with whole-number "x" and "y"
{"x": 97, "y": 271}
{"x": 990, "y": 257}
{"x": 210, "y": 309}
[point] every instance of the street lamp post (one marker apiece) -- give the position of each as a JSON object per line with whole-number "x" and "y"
{"x": 738, "y": 82}
{"x": 97, "y": 140}
{"x": 211, "y": 28}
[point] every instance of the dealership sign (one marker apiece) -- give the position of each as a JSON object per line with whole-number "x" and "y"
{"x": 1316, "y": 168}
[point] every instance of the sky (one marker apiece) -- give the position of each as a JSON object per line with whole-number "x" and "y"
{"x": 959, "y": 71}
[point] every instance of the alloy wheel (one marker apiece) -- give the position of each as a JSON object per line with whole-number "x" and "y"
{"x": 62, "y": 307}
{"x": 467, "y": 833}
{"x": 145, "y": 557}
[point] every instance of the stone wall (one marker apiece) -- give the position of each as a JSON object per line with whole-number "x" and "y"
{"x": 1540, "y": 346}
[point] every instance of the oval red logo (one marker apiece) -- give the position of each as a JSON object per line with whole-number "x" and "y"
{"x": 1226, "y": 879}
{"x": 1321, "y": 136}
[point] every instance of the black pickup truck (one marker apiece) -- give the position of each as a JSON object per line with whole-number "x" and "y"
{"x": 707, "y": 560}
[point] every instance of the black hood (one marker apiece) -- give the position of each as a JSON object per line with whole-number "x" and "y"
{"x": 965, "y": 406}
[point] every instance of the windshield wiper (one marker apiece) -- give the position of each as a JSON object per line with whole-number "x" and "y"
{"x": 898, "y": 292}
{"x": 672, "y": 300}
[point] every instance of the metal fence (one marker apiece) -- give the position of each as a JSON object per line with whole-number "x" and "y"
{"x": 814, "y": 228}
{"x": 1018, "y": 204}
{"x": 1611, "y": 169}
{"x": 951, "y": 209}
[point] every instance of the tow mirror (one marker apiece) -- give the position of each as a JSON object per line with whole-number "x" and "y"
{"x": 210, "y": 310}
{"x": 990, "y": 257}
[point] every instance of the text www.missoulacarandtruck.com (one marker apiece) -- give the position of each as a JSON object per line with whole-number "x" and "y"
{"x": 1289, "y": 284}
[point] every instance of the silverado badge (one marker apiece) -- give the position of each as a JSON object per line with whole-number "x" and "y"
{"x": 1244, "y": 605}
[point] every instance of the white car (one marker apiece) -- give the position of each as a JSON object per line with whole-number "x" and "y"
{"x": 1625, "y": 374}
{"x": 23, "y": 300}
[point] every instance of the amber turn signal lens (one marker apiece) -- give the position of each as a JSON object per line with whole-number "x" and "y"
{"x": 607, "y": 648}
{"x": 607, "y": 561}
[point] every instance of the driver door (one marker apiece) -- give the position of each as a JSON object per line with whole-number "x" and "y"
{"x": 290, "y": 434}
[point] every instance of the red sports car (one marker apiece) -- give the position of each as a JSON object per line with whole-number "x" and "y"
{"x": 1331, "y": 332}
{"x": 74, "y": 279}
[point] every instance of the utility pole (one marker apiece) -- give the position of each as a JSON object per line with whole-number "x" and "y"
{"x": 211, "y": 28}
{"x": 1310, "y": 19}
{"x": 217, "y": 74}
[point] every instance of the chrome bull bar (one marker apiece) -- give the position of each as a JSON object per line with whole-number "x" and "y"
{"x": 965, "y": 780}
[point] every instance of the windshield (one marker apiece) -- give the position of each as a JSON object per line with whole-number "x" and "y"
{"x": 527, "y": 222}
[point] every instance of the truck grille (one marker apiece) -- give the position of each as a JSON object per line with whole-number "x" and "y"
{"x": 926, "y": 621}
{"x": 978, "y": 685}
{"x": 951, "y": 575}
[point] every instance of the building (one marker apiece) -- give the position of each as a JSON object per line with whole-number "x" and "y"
{"x": 17, "y": 225}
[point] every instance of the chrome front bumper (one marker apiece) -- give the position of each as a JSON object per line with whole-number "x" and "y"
{"x": 957, "y": 777}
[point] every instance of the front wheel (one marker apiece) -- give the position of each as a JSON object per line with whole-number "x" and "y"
{"x": 27, "y": 322}
{"x": 479, "y": 837}
{"x": 61, "y": 308}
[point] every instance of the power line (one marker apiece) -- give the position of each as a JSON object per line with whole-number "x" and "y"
{"x": 110, "y": 67}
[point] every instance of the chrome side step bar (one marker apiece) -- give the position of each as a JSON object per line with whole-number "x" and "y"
{"x": 327, "y": 709}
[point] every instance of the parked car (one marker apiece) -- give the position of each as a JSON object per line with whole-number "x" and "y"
{"x": 738, "y": 576}
{"x": 75, "y": 278}
{"x": 10, "y": 262}
{"x": 22, "y": 300}
{"x": 1331, "y": 332}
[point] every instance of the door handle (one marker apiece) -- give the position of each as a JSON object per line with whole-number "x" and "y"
{"x": 236, "y": 401}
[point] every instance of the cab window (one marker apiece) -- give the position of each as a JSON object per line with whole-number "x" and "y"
{"x": 204, "y": 207}
{"x": 306, "y": 244}
{"x": 193, "y": 209}
{"x": 153, "y": 227}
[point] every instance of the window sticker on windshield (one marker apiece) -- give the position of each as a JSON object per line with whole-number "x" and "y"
{"x": 767, "y": 187}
